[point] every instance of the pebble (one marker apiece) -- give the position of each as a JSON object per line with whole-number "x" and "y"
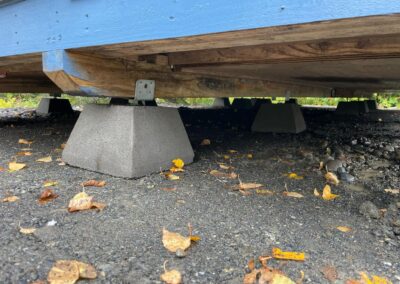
{"x": 180, "y": 253}
{"x": 346, "y": 177}
{"x": 333, "y": 165}
{"x": 369, "y": 210}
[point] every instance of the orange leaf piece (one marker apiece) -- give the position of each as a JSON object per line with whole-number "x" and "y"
{"x": 95, "y": 183}
{"x": 327, "y": 193}
{"x": 331, "y": 178}
{"x": 46, "y": 196}
{"x": 287, "y": 255}
{"x": 175, "y": 241}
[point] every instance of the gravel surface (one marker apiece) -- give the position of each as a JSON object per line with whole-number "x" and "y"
{"x": 124, "y": 242}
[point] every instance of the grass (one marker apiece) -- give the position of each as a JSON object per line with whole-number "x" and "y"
{"x": 8, "y": 100}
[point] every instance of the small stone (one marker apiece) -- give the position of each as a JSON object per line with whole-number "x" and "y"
{"x": 354, "y": 142}
{"x": 333, "y": 165}
{"x": 341, "y": 170}
{"x": 369, "y": 210}
{"x": 180, "y": 253}
{"x": 389, "y": 148}
{"x": 346, "y": 177}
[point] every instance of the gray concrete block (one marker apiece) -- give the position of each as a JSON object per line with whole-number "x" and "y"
{"x": 279, "y": 118}
{"x": 53, "y": 105}
{"x": 127, "y": 141}
{"x": 372, "y": 105}
{"x": 243, "y": 103}
{"x": 221, "y": 102}
{"x": 352, "y": 108}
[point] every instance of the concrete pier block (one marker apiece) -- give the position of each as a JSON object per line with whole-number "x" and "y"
{"x": 127, "y": 141}
{"x": 259, "y": 102}
{"x": 372, "y": 105}
{"x": 221, "y": 102}
{"x": 53, "y": 105}
{"x": 243, "y": 103}
{"x": 279, "y": 118}
{"x": 352, "y": 108}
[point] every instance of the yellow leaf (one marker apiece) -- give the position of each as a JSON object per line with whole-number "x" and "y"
{"x": 295, "y": 176}
{"x": 24, "y": 153}
{"x": 331, "y": 178}
{"x": 327, "y": 194}
{"x": 293, "y": 194}
{"x": 49, "y": 183}
{"x": 82, "y": 201}
{"x": 375, "y": 279}
{"x": 264, "y": 192}
{"x": 27, "y": 231}
{"x": 195, "y": 238}
{"x": 70, "y": 271}
{"x": 86, "y": 271}
{"x": 25, "y": 142}
{"x": 47, "y": 159}
{"x": 170, "y": 176}
{"x": 316, "y": 192}
{"x": 205, "y": 142}
{"x": 343, "y": 229}
{"x": 10, "y": 199}
{"x": 174, "y": 241}
{"x": 172, "y": 277}
{"x": 281, "y": 279}
{"x": 178, "y": 163}
{"x": 279, "y": 254}
{"x": 14, "y": 166}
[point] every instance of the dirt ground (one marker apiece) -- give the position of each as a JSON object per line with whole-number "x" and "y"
{"x": 124, "y": 241}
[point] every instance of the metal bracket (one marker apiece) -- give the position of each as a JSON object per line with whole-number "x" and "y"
{"x": 145, "y": 90}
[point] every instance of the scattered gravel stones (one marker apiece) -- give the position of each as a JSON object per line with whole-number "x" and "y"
{"x": 369, "y": 210}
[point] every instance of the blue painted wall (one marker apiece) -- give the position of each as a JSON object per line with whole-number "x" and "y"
{"x": 42, "y": 25}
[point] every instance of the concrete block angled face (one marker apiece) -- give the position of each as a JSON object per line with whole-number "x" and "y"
{"x": 127, "y": 141}
{"x": 279, "y": 118}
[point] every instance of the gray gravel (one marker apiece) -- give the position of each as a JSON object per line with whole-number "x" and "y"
{"x": 124, "y": 240}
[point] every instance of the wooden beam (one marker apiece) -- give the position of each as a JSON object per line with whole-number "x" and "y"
{"x": 322, "y": 50}
{"x": 27, "y": 83}
{"x": 79, "y": 74}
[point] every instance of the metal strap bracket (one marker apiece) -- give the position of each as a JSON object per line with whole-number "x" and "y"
{"x": 145, "y": 90}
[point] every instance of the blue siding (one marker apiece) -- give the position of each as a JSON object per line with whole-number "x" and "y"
{"x": 42, "y": 25}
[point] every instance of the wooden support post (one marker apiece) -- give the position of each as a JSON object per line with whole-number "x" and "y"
{"x": 79, "y": 74}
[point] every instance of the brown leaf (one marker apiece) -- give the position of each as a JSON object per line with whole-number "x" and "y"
{"x": 24, "y": 153}
{"x": 174, "y": 241}
{"x": 10, "y": 199}
{"x": 46, "y": 196}
{"x": 264, "y": 191}
{"x": 168, "y": 188}
{"x": 251, "y": 278}
{"x": 330, "y": 273}
{"x": 172, "y": 277}
{"x": 92, "y": 182}
{"x": 82, "y": 201}
{"x": 219, "y": 174}
{"x": 331, "y": 178}
{"x": 70, "y": 271}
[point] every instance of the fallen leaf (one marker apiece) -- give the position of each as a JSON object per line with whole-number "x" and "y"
{"x": 178, "y": 163}
{"x": 343, "y": 229}
{"x": 227, "y": 157}
{"x": 10, "y": 199}
{"x": 366, "y": 280}
{"x": 232, "y": 151}
{"x": 175, "y": 241}
{"x": 295, "y": 176}
{"x": 246, "y": 186}
{"x": 205, "y": 142}
{"x": 225, "y": 167}
{"x": 264, "y": 192}
{"x": 316, "y": 192}
{"x": 24, "y": 153}
{"x": 49, "y": 183}
{"x": 70, "y": 271}
{"x": 327, "y": 194}
{"x": 331, "y": 178}
{"x": 265, "y": 275}
{"x": 172, "y": 277}
{"x": 27, "y": 231}
{"x": 330, "y": 273}
{"x": 168, "y": 188}
{"x": 171, "y": 176}
{"x": 195, "y": 238}
{"x": 47, "y": 159}
{"x": 293, "y": 194}
{"x": 25, "y": 141}
{"x": 14, "y": 166}
{"x": 321, "y": 165}
{"x": 219, "y": 174}
{"x": 46, "y": 196}
{"x": 250, "y": 156}
{"x": 92, "y": 182}
{"x": 2, "y": 169}
{"x": 287, "y": 255}
{"x": 62, "y": 146}
{"x": 39, "y": 282}
{"x": 392, "y": 191}
{"x": 82, "y": 201}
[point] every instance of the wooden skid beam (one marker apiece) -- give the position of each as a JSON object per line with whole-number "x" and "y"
{"x": 79, "y": 74}
{"x": 27, "y": 83}
{"x": 334, "y": 49}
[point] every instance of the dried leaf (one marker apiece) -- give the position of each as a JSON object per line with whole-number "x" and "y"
{"x": 392, "y": 191}
{"x": 293, "y": 194}
{"x": 225, "y": 167}
{"x": 316, "y": 192}
{"x": 168, "y": 188}
{"x": 82, "y": 201}
{"x": 49, "y": 183}
{"x": 172, "y": 277}
{"x": 327, "y": 194}
{"x": 62, "y": 146}
{"x": 250, "y": 156}
{"x": 171, "y": 176}
{"x": 251, "y": 278}
{"x": 366, "y": 280}
{"x": 343, "y": 229}
{"x": 295, "y": 176}
{"x": 10, "y": 199}
{"x": 205, "y": 142}
{"x": 331, "y": 178}
{"x": 195, "y": 238}
{"x": 24, "y": 153}
{"x": 232, "y": 151}
{"x": 219, "y": 174}
{"x": 25, "y": 141}
{"x": 330, "y": 273}
{"x": 70, "y": 271}
{"x": 14, "y": 166}
{"x": 279, "y": 254}
{"x": 251, "y": 264}
{"x": 27, "y": 231}
{"x": 227, "y": 157}
{"x": 247, "y": 186}
{"x": 264, "y": 192}
{"x": 47, "y": 159}
{"x": 178, "y": 163}
{"x": 174, "y": 241}
{"x": 92, "y": 182}
{"x": 46, "y": 196}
